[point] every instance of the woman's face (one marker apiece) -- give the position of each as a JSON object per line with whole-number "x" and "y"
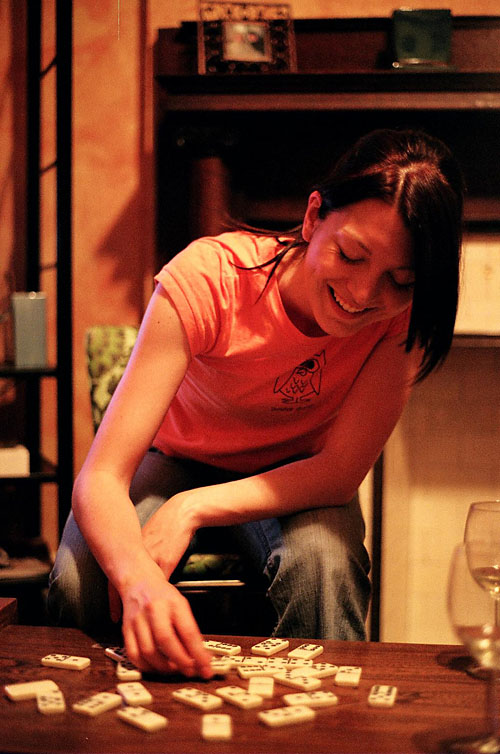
{"x": 357, "y": 270}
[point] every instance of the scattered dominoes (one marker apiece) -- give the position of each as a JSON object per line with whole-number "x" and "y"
{"x": 143, "y": 718}
{"x": 239, "y": 697}
{"x": 216, "y": 727}
{"x": 19, "y": 692}
{"x": 222, "y": 647}
{"x": 306, "y": 651}
{"x": 311, "y": 699}
{"x": 262, "y": 686}
{"x": 382, "y": 696}
{"x": 134, "y": 693}
{"x": 196, "y": 698}
{"x": 51, "y": 702}
{"x": 276, "y": 718}
{"x": 97, "y": 703}
{"x": 69, "y": 662}
{"x": 302, "y": 682}
{"x": 347, "y": 675}
{"x": 126, "y": 671}
{"x": 269, "y": 647}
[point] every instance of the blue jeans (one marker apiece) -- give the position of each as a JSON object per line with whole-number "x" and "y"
{"x": 314, "y": 562}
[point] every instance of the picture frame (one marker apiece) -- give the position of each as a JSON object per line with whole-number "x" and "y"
{"x": 239, "y": 38}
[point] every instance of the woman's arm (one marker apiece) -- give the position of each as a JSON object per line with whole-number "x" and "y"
{"x": 159, "y": 629}
{"x": 359, "y": 433}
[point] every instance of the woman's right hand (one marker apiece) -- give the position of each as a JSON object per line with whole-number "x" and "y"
{"x": 159, "y": 629}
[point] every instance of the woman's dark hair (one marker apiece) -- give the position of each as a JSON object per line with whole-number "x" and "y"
{"x": 417, "y": 174}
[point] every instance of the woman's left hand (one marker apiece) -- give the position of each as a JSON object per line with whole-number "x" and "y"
{"x": 168, "y": 532}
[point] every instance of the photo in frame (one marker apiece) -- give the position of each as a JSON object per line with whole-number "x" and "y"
{"x": 236, "y": 37}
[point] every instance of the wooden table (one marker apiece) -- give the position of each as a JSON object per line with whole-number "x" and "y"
{"x": 437, "y": 700}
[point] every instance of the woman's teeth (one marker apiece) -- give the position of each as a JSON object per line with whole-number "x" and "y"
{"x": 344, "y": 306}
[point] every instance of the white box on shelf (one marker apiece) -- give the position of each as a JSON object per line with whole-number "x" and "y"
{"x": 478, "y": 309}
{"x": 14, "y": 461}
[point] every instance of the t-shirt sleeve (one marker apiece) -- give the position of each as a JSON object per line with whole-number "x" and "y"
{"x": 196, "y": 280}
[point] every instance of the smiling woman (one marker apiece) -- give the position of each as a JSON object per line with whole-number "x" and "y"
{"x": 268, "y": 373}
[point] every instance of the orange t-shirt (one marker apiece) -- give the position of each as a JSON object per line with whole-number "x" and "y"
{"x": 257, "y": 391}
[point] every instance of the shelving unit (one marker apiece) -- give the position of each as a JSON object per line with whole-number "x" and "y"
{"x": 21, "y": 496}
{"x": 250, "y": 146}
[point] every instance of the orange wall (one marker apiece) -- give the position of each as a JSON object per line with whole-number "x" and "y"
{"x": 113, "y": 184}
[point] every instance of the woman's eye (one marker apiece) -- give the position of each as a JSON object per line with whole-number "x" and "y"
{"x": 349, "y": 260}
{"x": 404, "y": 286}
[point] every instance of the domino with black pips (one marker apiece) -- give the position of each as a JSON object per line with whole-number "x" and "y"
{"x": 19, "y": 692}
{"x": 302, "y": 682}
{"x": 118, "y": 654}
{"x": 96, "y": 704}
{"x": 51, "y": 702}
{"x": 193, "y": 697}
{"x": 253, "y": 671}
{"x": 143, "y": 718}
{"x": 269, "y": 647}
{"x": 262, "y": 686}
{"x": 134, "y": 693}
{"x": 239, "y": 697}
{"x": 68, "y": 662}
{"x": 348, "y": 675}
{"x": 318, "y": 670}
{"x": 281, "y": 716}
{"x": 216, "y": 727}
{"x": 222, "y": 647}
{"x": 382, "y": 695}
{"x": 311, "y": 699}
{"x": 306, "y": 651}
{"x": 127, "y": 671}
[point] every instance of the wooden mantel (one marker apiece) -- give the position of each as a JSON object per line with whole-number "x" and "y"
{"x": 341, "y": 64}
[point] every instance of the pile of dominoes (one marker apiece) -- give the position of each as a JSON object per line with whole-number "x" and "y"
{"x": 298, "y": 669}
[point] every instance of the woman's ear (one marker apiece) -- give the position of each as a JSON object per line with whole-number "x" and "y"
{"x": 311, "y": 217}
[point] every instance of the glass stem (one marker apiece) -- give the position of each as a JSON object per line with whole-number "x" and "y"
{"x": 492, "y": 704}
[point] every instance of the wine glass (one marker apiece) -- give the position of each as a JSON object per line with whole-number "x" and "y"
{"x": 482, "y": 537}
{"x": 472, "y": 615}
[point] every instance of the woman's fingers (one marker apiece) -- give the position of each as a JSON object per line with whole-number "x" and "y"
{"x": 162, "y": 635}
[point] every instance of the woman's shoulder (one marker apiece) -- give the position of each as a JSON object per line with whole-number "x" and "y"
{"x": 239, "y": 247}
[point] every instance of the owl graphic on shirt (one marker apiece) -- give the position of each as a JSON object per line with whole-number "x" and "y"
{"x": 303, "y": 382}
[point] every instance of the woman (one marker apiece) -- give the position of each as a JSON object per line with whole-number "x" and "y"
{"x": 268, "y": 374}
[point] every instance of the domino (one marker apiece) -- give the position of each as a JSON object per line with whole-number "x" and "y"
{"x": 221, "y": 665}
{"x": 126, "y": 671}
{"x": 252, "y": 671}
{"x": 19, "y": 692}
{"x": 306, "y": 651}
{"x": 134, "y": 693}
{"x": 262, "y": 686}
{"x": 347, "y": 675}
{"x": 269, "y": 647}
{"x": 322, "y": 669}
{"x": 382, "y": 696}
{"x": 195, "y": 698}
{"x": 51, "y": 702}
{"x": 221, "y": 647}
{"x": 295, "y": 662}
{"x": 277, "y": 718}
{"x": 239, "y": 697}
{"x": 96, "y": 704}
{"x": 311, "y": 699}
{"x": 143, "y": 718}
{"x": 216, "y": 727}
{"x": 118, "y": 654}
{"x": 302, "y": 682}
{"x": 69, "y": 662}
